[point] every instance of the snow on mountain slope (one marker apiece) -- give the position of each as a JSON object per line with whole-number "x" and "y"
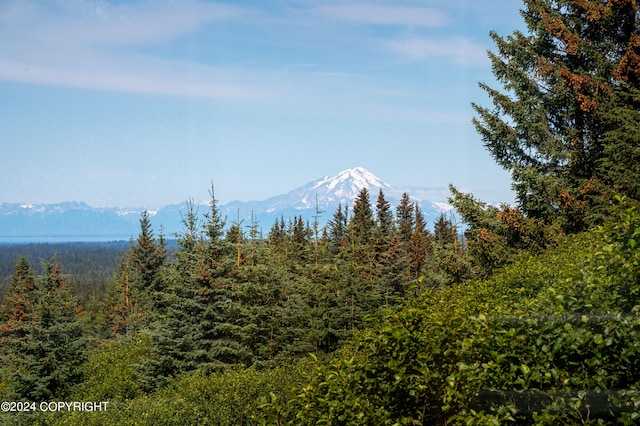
{"x": 348, "y": 183}
{"x": 317, "y": 199}
{"x": 328, "y": 191}
{"x": 325, "y": 194}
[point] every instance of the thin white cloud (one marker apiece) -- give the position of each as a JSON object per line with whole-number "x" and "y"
{"x": 385, "y": 15}
{"x": 94, "y": 45}
{"x": 106, "y": 24}
{"x": 125, "y": 79}
{"x": 457, "y": 50}
{"x": 98, "y": 45}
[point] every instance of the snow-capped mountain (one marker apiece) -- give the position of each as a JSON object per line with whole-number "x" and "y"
{"x": 76, "y": 221}
{"x": 346, "y": 186}
{"x": 324, "y": 195}
{"x": 326, "y": 191}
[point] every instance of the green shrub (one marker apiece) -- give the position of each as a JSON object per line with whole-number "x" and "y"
{"x": 229, "y": 398}
{"x": 549, "y": 339}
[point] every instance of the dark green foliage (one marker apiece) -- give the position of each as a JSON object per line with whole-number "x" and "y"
{"x": 550, "y": 339}
{"x": 42, "y": 339}
{"x": 405, "y": 219}
{"x": 146, "y": 256}
{"x": 88, "y": 266}
{"x": 361, "y": 223}
{"x": 495, "y": 234}
{"x": 300, "y": 238}
{"x": 337, "y": 229}
{"x": 419, "y": 244}
{"x": 131, "y": 295}
{"x": 276, "y": 235}
{"x": 384, "y": 226}
{"x": 569, "y": 109}
{"x": 444, "y": 232}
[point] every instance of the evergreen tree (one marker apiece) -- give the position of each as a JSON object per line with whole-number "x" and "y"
{"x": 173, "y": 323}
{"x": 405, "y": 219}
{"x": 337, "y": 229}
{"x": 277, "y": 234}
{"x": 444, "y": 231}
{"x": 419, "y": 244}
{"x": 42, "y": 339}
{"x": 213, "y": 250}
{"x": 300, "y": 233}
{"x": 449, "y": 262}
{"x": 397, "y": 259}
{"x": 130, "y": 298}
{"x": 122, "y": 312}
{"x": 382, "y": 236}
{"x": 147, "y": 256}
{"x": 18, "y": 304}
{"x": 571, "y": 86}
{"x": 361, "y": 222}
{"x": 219, "y": 338}
{"x": 235, "y": 236}
{"x": 383, "y": 224}
{"x": 191, "y": 229}
{"x": 495, "y": 234}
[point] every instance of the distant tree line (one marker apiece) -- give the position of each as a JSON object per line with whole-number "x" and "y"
{"x": 88, "y": 266}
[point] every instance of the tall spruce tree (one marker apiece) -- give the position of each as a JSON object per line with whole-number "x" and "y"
{"x": 43, "y": 343}
{"x": 276, "y": 236}
{"x": 383, "y": 224}
{"x": 131, "y": 295}
{"x": 570, "y": 108}
{"x": 173, "y": 325}
{"x": 443, "y": 230}
{"x": 405, "y": 219}
{"x": 360, "y": 232}
{"x": 361, "y": 222}
{"x": 299, "y": 232}
{"x": 398, "y": 255}
{"x": 147, "y": 255}
{"x": 382, "y": 234}
{"x": 219, "y": 338}
{"x": 419, "y": 243}
{"x": 337, "y": 229}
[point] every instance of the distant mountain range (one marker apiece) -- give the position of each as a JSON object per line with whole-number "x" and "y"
{"x": 77, "y": 221}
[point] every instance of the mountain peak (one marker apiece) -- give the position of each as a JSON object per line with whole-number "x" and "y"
{"x": 315, "y": 201}
{"x": 328, "y": 191}
{"x": 348, "y": 183}
{"x": 325, "y": 194}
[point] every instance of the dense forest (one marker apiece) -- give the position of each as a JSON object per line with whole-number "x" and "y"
{"x": 524, "y": 314}
{"x": 88, "y": 266}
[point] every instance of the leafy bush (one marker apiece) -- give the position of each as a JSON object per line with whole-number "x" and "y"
{"x": 225, "y": 398}
{"x": 550, "y": 339}
{"x": 112, "y": 370}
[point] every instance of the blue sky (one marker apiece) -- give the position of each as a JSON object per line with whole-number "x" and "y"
{"x": 144, "y": 103}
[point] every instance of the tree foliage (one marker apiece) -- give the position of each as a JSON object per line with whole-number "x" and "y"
{"x": 550, "y": 339}
{"x": 569, "y": 108}
{"x": 41, "y": 335}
